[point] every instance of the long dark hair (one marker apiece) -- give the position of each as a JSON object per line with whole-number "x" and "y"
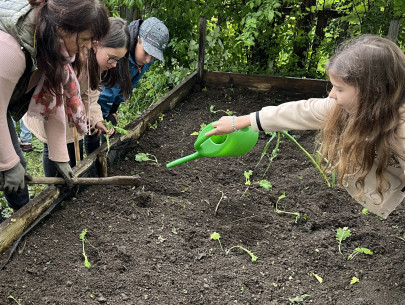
{"x": 71, "y": 16}
{"x": 117, "y": 37}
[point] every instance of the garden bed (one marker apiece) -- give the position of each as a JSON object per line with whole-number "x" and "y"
{"x": 152, "y": 245}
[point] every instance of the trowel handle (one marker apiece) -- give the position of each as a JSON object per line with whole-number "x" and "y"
{"x": 191, "y": 157}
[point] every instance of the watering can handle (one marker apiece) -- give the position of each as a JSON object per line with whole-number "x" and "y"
{"x": 201, "y": 137}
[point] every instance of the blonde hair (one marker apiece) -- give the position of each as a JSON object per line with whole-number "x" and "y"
{"x": 375, "y": 66}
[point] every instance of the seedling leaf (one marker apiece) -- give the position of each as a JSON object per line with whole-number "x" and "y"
{"x": 265, "y": 184}
{"x": 298, "y": 299}
{"x": 359, "y": 250}
{"x": 87, "y": 264}
{"x": 254, "y": 257}
{"x": 341, "y": 235}
{"x": 143, "y": 157}
{"x": 247, "y": 175}
{"x": 320, "y": 280}
{"x": 216, "y": 236}
{"x": 354, "y": 280}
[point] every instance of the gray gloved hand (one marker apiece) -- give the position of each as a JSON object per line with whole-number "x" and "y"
{"x": 14, "y": 179}
{"x": 66, "y": 171}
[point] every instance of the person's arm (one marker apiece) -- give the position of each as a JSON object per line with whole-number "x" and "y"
{"x": 12, "y": 62}
{"x": 107, "y": 98}
{"x": 299, "y": 115}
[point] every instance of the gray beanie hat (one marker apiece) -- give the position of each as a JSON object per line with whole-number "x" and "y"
{"x": 155, "y": 37}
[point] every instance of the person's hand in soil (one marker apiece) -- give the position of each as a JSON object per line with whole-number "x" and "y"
{"x": 228, "y": 124}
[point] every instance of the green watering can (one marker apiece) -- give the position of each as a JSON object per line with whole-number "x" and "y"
{"x": 233, "y": 144}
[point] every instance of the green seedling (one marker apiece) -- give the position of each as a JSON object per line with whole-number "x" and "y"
{"x": 87, "y": 264}
{"x": 299, "y": 299}
{"x": 278, "y": 211}
{"x": 318, "y": 278}
{"x": 143, "y": 157}
{"x": 341, "y": 235}
{"x": 354, "y": 280}
{"x": 277, "y": 135}
{"x": 365, "y": 211}
{"x": 359, "y": 250}
{"x": 217, "y": 236}
{"x": 247, "y": 175}
{"x": 264, "y": 184}
{"x": 227, "y": 111}
{"x": 14, "y": 299}
{"x": 254, "y": 257}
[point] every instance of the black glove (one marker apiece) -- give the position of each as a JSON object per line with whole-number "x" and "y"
{"x": 66, "y": 171}
{"x": 14, "y": 179}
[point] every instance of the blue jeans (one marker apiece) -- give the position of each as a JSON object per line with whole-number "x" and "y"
{"x": 49, "y": 165}
{"x": 19, "y": 199}
{"x": 25, "y": 134}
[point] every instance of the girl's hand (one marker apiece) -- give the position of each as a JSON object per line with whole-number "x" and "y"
{"x": 99, "y": 127}
{"x": 228, "y": 124}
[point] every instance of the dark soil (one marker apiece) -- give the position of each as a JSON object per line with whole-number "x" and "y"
{"x": 151, "y": 244}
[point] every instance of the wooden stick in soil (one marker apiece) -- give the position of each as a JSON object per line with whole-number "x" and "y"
{"x": 115, "y": 180}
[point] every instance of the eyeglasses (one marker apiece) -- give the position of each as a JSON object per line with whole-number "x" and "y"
{"x": 110, "y": 60}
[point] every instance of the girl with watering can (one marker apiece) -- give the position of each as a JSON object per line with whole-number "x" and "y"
{"x": 361, "y": 123}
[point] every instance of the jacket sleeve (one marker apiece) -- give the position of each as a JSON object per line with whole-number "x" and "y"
{"x": 300, "y": 115}
{"x": 90, "y": 98}
{"x": 107, "y": 98}
{"x": 12, "y": 61}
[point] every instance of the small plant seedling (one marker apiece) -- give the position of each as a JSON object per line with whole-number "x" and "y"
{"x": 142, "y": 157}
{"x": 87, "y": 264}
{"x": 359, "y": 250}
{"x": 254, "y": 257}
{"x": 319, "y": 279}
{"x": 227, "y": 111}
{"x": 365, "y": 211}
{"x": 299, "y": 299}
{"x": 247, "y": 175}
{"x": 217, "y": 236}
{"x": 354, "y": 280}
{"x": 297, "y": 214}
{"x": 14, "y": 299}
{"x": 341, "y": 235}
{"x": 264, "y": 184}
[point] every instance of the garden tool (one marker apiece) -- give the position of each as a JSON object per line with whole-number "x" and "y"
{"x": 233, "y": 144}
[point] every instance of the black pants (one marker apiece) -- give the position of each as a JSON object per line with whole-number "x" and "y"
{"x": 49, "y": 165}
{"x": 93, "y": 142}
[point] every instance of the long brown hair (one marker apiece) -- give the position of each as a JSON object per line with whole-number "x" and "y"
{"x": 72, "y": 16}
{"x": 375, "y": 66}
{"x": 117, "y": 37}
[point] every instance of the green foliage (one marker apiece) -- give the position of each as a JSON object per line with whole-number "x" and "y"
{"x": 359, "y": 250}
{"x": 82, "y": 236}
{"x": 341, "y": 235}
{"x": 264, "y": 36}
{"x": 252, "y": 256}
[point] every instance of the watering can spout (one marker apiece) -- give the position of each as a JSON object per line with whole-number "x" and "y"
{"x": 191, "y": 157}
{"x": 230, "y": 145}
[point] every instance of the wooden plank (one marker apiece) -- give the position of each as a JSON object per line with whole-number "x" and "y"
{"x": 292, "y": 85}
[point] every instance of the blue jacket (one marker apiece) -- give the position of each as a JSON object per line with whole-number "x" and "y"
{"x": 111, "y": 96}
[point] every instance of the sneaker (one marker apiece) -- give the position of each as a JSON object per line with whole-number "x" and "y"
{"x": 26, "y": 147}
